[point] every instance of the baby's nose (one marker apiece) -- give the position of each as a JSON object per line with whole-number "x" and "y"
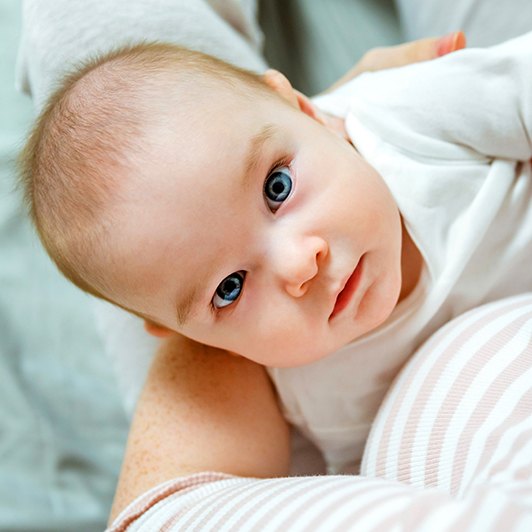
{"x": 300, "y": 263}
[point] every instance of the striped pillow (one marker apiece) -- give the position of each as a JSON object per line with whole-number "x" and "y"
{"x": 446, "y": 421}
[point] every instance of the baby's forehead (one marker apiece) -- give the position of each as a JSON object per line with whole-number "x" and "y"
{"x": 143, "y": 112}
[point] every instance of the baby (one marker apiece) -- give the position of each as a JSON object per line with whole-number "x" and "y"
{"x": 325, "y": 239}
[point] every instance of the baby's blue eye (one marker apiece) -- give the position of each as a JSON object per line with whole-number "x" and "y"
{"x": 228, "y": 290}
{"x": 277, "y": 187}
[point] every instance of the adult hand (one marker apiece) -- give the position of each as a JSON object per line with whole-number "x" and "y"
{"x": 404, "y": 54}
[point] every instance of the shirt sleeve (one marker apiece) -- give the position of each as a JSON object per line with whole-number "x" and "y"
{"x": 471, "y": 102}
{"x": 333, "y": 503}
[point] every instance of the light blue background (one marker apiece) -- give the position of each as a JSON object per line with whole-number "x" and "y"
{"x": 62, "y": 428}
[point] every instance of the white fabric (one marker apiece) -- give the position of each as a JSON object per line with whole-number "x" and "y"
{"x": 58, "y": 35}
{"x": 451, "y": 139}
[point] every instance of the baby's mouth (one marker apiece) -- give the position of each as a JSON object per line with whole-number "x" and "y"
{"x": 345, "y": 295}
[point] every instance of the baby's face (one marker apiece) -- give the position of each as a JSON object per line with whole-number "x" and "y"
{"x": 246, "y": 226}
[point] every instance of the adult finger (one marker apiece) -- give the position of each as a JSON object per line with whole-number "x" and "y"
{"x": 404, "y": 54}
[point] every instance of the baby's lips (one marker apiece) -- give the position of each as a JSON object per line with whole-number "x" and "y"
{"x": 450, "y": 43}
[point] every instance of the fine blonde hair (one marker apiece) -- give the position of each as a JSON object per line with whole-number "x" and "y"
{"x": 79, "y": 148}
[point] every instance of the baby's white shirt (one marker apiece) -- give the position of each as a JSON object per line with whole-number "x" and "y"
{"x": 452, "y": 140}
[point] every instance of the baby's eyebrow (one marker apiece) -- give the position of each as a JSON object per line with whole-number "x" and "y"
{"x": 254, "y": 155}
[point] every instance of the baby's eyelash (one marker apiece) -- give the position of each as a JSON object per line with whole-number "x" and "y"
{"x": 285, "y": 161}
{"x": 215, "y": 312}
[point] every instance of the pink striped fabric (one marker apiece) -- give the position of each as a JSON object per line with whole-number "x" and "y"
{"x": 450, "y": 449}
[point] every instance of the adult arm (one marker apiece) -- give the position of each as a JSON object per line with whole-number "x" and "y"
{"x": 202, "y": 409}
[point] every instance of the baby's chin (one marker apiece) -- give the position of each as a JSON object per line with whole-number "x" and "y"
{"x": 308, "y": 353}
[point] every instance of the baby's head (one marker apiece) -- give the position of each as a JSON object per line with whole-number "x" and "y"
{"x": 213, "y": 202}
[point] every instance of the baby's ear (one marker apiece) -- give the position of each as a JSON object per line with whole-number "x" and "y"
{"x": 309, "y": 108}
{"x": 280, "y": 84}
{"x": 157, "y": 330}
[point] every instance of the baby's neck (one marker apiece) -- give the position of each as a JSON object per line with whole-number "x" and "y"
{"x": 411, "y": 264}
